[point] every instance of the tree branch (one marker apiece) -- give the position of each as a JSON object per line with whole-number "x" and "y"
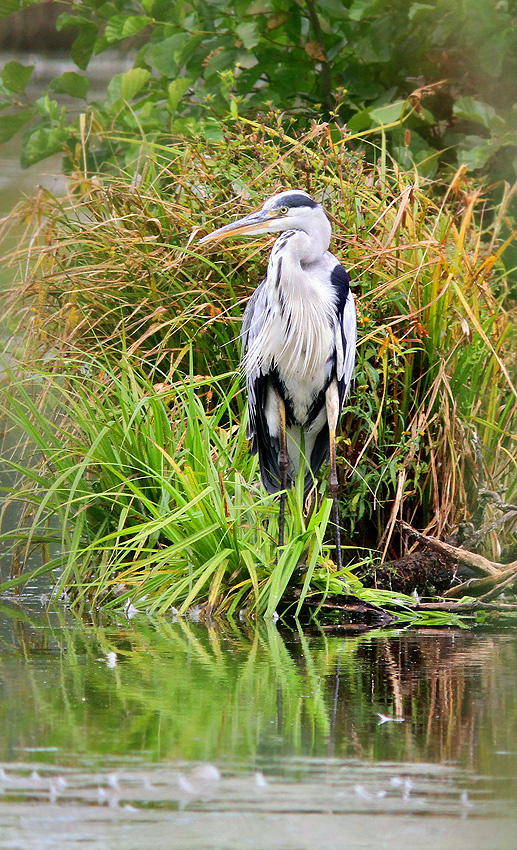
{"x": 471, "y": 559}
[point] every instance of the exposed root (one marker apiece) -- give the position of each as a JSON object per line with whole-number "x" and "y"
{"x": 494, "y": 577}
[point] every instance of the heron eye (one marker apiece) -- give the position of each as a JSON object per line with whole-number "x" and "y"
{"x": 284, "y": 210}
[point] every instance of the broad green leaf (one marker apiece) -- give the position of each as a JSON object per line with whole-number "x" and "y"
{"x": 126, "y": 86}
{"x": 150, "y": 114}
{"x": 41, "y": 143}
{"x": 82, "y": 48}
{"x": 388, "y": 114}
{"x": 164, "y": 55}
{"x": 175, "y": 92}
{"x": 360, "y": 8}
{"x": 67, "y": 21}
{"x": 470, "y": 109}
{"x": 375, "y": 48}
{"x": 49, "y": 108}
{"x": 71, "y": 83}
{"x": 475, "y": 151}
{"x": 120, "y": 27}
{"x": 248, "y": 34}
{"x": 417, "y": 154}
{"x": 494, "y": 48}
{"x": 15, "y": 76}
{"x": 133, "y": 81}
{"x": 334, "y": 8}
{"x": 10, "y": 124}
{"x": 360, "y": 121}
{"x": 220, "y": 62}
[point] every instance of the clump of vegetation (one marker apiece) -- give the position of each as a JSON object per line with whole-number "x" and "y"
{"x": 136, "y": 474}
{"x": 432, "y": 77}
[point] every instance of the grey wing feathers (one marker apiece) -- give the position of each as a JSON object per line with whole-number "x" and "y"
{"x": 346, "y": 341}
{"x": 345, "y": 330}
{"x": 251, "y": 322}
{"x": 257, "y": 384}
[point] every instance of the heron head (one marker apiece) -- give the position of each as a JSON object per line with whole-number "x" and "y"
{"x": 290, "y": 210}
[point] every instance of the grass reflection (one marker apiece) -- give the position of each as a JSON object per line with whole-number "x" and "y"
{"x": 244, "y": 695}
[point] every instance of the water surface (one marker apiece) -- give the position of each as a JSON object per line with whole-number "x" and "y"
{"x": 179, "y": 735}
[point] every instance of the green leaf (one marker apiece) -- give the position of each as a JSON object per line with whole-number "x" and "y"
{"x": 248, "y": 34}
{"x": 82, "y": 48}
{"x": 417, "y": 154}
{"x": 71, "y": 83}
{"x": 388, "y": 114}
{"x": 493, "y": 50}
{"x": 176, "y": 90}
{"x": 164, "y": 55}
{"x": 360, "y": 8}
{"x": 375, "y": 48}
{"x": 133, "y": 81}
{"x": 334, "y": 8}
{"x": 49, "y": 108}
{"x": 120, "y": 27}
{"x": 67, "y": 21}
{"x": 15, "y": 76}
{"x": 220, "y": 62}
{"x": 360, "y": 121}
{"x": 10, "y": 124}
{"x": 476, "y": 151}
{"x": 469, "y": 109}
{"x": 41, "y": 143}
{"x": 126, "y": 86}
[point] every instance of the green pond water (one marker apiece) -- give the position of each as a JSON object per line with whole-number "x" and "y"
{"x": 177, "y": 734}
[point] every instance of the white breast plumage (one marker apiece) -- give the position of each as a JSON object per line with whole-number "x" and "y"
{"x": 293, "y": 337}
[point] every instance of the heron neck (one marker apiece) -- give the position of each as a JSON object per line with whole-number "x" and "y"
{"x": 296, "y": 328}
{"x": 301, "y": 248}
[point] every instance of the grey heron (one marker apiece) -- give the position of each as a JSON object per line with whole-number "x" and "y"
{"x": 299, "y": 339}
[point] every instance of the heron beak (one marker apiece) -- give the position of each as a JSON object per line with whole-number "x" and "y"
{"x": 254, "y": 223}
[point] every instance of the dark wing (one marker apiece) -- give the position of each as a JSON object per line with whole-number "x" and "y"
{"x": 344, "y": 360}
{"x": 258, "y": 386}
{"x": 346, "y": 331}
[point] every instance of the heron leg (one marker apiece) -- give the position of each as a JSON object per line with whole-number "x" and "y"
{"x": 332, "y": 405}
{"x": 283, "y": 465}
